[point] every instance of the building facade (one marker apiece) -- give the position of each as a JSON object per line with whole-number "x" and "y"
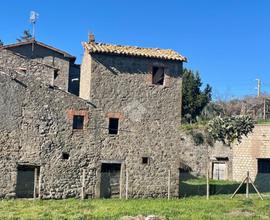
{"x": 120, "y": 137}
{"x": 253, "y": 155}
{"x": 67, "y": 73}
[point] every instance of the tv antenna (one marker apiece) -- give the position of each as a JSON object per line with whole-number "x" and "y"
{"x": 33, "y": 19}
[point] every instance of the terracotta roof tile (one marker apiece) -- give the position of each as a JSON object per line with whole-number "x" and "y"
{"x": 166, "y": 54}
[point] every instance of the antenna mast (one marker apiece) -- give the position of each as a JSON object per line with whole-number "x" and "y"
{"x": 258, "y": 87}
{"x": 33, "y": 19}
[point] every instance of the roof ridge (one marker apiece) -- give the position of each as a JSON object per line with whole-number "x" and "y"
{"x": 33, "y": 40}
{"x": 134, "y": 46}
{"x": 158, "y": 53}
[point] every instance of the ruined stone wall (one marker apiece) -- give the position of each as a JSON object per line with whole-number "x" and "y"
{"x": 11, "y": 60}
{"x": 36, "y": 128}
{"x": 49, "y": 57}
{"x": 245, "y": 154}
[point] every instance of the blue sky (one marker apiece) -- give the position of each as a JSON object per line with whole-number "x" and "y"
{"x": 227, "y": 41}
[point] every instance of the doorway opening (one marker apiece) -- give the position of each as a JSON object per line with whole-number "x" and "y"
{"x": 27, "y": 179}
{"x": 110, "y": 180}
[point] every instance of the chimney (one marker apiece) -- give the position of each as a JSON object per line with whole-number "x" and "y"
{"x": 91, "y": 38}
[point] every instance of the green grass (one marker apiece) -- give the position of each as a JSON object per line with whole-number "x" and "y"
{"x": 187, "y": 127}
{"x": 200, "y": 181}
{"x": 217, "y": 207}
{"x": 262, "y": 121}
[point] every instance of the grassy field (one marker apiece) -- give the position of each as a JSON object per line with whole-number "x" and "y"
{"x": 218, "y": 207}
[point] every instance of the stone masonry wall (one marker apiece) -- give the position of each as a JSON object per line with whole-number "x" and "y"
{"x": 11, "y": 60}
{"x": 49, "y": 57}
{"x": 36, "y": 128}
{"x": 150, "y": 118}
{"x": 245, "y": 154}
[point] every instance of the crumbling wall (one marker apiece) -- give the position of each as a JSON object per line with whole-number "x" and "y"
{"x": 48, "y": 57}
{"x": 13, "y": 61}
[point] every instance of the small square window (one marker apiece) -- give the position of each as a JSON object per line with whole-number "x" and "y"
{"x": 158, "y": 75}
{"x": 145, "y": 160}
{"x": 113, "y": 125}
{"x": 65, "y": 156}
{"x": 78, "y": 121}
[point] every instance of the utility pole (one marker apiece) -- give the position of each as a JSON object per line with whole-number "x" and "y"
{"x": 258, "y": 87}
{"x": 264, "y": 109}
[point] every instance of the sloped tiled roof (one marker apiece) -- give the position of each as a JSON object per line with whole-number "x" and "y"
{"x": 33, "y": 41}
{"x": 166, "y": 54}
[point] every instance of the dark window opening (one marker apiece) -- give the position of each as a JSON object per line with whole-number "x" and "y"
{"x": 184, "y": 170}
{"x": 65, "y": 156}
{"x": 263, "y": 165}
{"x": 55, "y": 74}
{"x": 113, "y": 125}
{"x": 158, "y": 75}
{"x": 78, "y": 121}
{"x": 222, "y": 158}
{"x": 145, "y": 160}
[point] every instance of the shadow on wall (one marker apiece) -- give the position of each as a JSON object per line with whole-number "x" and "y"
{"x": 262, "y": 182}
{"x": 117, "y": 64}
{"x": 191, "y": 185}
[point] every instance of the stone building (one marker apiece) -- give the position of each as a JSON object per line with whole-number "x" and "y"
{"x": 67, "y": 72}
{"x": 253, "y": 155}
{"x": 121, "y": 136}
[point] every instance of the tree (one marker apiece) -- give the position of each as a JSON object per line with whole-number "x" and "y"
{"x": 194, "y": 99}
{"x": 25, "y": 37}
{"x": 1, "y": 43}
{"x": 229, "y": 129}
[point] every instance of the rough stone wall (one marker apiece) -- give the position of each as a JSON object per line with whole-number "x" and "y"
{"x": 36, "y": 128}
{"x": 49, "y": 57}
{"x": 11, "y": 60}
{"x": 245, "y": 154}
{"x": 150, "y": 118}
